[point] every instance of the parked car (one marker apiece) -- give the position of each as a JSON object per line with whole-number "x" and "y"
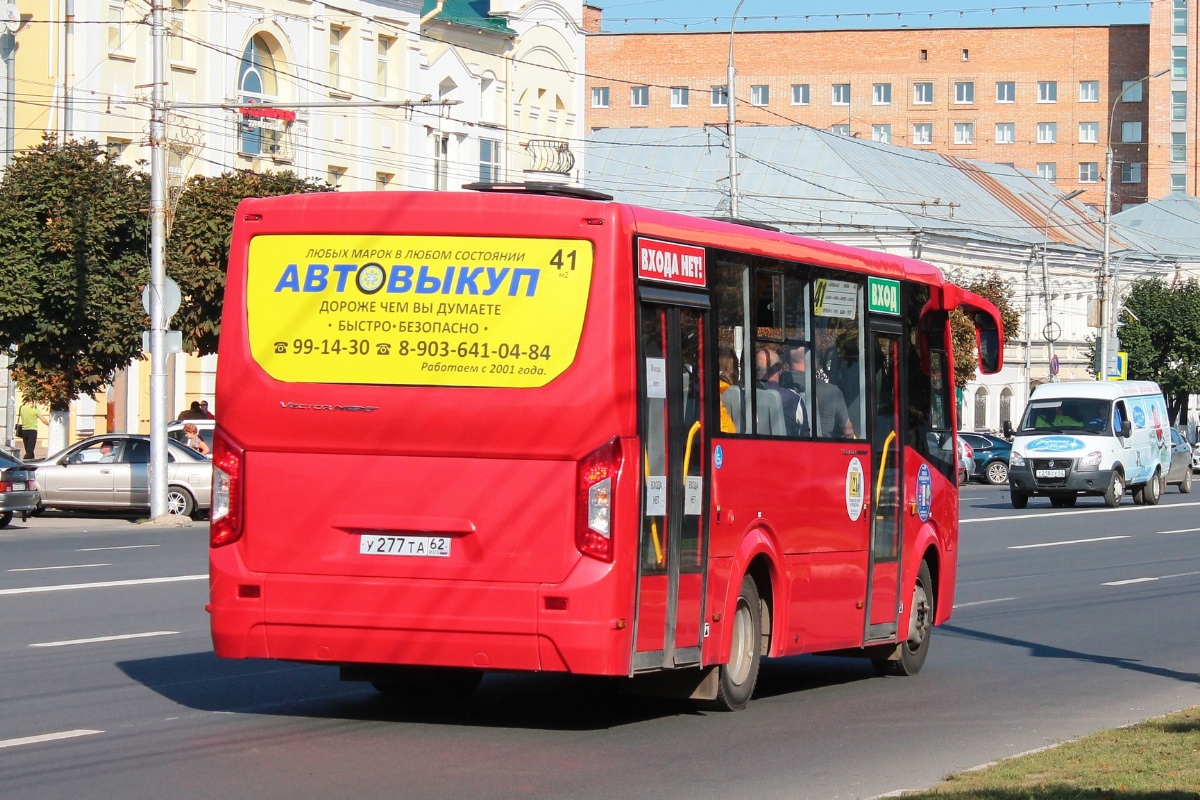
{"x": 204, "y": 427}
{"x": 110, "y": 472}
{"x": 1180, "y": 473}
{"x": 18, "y": 489}
{"x": 990, "y": 461}
{"x": 966, "y": 460}
{"x": 1196, "y": 457}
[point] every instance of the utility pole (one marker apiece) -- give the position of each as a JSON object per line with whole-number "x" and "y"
{"x": 730, "y": 102}
{"x": 158, "y": 270}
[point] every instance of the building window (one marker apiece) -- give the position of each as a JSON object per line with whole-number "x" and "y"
{"x": 1179, "y": 61}
{"x": 720, "y": 96}
{"x": 922, "y": 94}
{"x": 178, "y": 34}
{"x": 881, "y": 94}
{"x": 336, "y": 35}
{"x": 1089, "y": 171}
{"x": 1047, "y": 132}
{"x": 1131, "y": 132}
{"x": 1006, "y": 92}
{"x": 1179, "y": 20}
{"x": 923, "y": 55}
{"x": 760, "y": 95}
{"x": 841, "y": 94}
{"x": 1047, "y": 171}
{"x": 1178, "y": 184}
{"x": 964, "y": 92}
{"x": 1178, "y": 147}
{"x": 1047, "y": 91}
{"x": 1005, "y": 133}
{"x": 922, "y": 133}
{"x": 116, "y": 28}
{"x": 334, "y": 176}
{"x": 1178, "y": 105}
{"x": 599, "y": 97}
{"x": 1131, "y": 91}
{"x": 881, "y": 133}
{"x": 800, "y": 94}
{"x": 679, "y": 97}
{"x": 966, "y": 54}
{"x": 489, "y": 161}
{"x": 1089, "y": 91}
{"x": 639, "y": 96}
{"x": 116, "y": 147}
{"x": 1089, "y": 132}
{"x": 840, "y": 129}
{"x": 383, "y": 180}
{"x": 1131, "y": 173}
{"x": 964, "y": 133}
{"x": 981, "y": 398}
{"x": 382, "y": 65}
{"x": 257, "y": 83}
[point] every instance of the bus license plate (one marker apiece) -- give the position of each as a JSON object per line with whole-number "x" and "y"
{"x": 380, "y": 545}
{"x": 1052, "y": 473}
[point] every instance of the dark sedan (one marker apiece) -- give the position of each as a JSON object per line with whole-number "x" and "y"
{"x": 18, "y": 489}
{"x": 991, "y": 457}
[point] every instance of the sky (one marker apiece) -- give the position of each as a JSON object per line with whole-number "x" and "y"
{"x": 665, "y": 16}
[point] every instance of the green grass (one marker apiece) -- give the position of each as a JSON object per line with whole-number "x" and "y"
{"x": 1154, "y": 760}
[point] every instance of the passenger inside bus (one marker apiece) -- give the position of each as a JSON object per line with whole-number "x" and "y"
{"x": 768, "y": 369}
{"x": 726, "y": 377}
{"x": 833, "y": 419}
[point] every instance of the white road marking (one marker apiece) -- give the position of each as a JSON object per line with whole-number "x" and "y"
{"x": 68, "y": 566}
{"x": 1150, "y": 580}
{"x": 121, "y": 547}
{"x": 1079, "y": 511}
{"x": 1070, "y": 541}
{"x": 101, "y": 585}
{"x": 1183, "y": 530}
{"x": 117, "y": 638}
{"x": 983, "y": 602}
{"x": 46, "y": 737}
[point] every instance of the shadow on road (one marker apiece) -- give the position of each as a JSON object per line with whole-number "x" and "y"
{"x": 1039, "y": 650}
{"x": 203, "y": 682}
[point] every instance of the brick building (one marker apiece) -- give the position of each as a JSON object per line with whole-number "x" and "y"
{"x": 1042, "y": 99}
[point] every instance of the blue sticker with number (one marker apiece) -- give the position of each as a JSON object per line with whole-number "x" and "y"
{"x": 924, "y": 492}
{"x": 718, "y": 457}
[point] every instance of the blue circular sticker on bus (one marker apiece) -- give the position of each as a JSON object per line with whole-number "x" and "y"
{"x": 924, "y": 492}
{"x": 718, "y": 457}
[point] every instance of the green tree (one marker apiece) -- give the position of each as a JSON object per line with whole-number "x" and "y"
{"x": 198, "y": 249}
{"x": 1159, "y": 329}
{"x": 991, "y": 286}
{"x": 74, "y": 238}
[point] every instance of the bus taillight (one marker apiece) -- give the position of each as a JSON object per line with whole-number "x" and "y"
{"x": 594, "y": 500}
{"x": 226, "y": 515}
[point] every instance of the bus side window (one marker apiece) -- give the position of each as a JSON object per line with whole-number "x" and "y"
{"x": 837, "y": 355}
{"x": 731, "y": 279}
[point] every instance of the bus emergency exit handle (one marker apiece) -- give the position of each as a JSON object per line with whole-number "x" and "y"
{"x": 381, "y": 522}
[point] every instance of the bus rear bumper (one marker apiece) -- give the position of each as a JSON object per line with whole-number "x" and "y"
{"x": 563, "y": 627}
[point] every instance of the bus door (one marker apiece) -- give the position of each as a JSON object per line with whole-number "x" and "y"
{"x": 671, "y": 553}
{"x": 887, "y": 476}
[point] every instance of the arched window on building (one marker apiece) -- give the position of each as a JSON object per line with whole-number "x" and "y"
{"x": 257, "y": 83}
{"x": 981, "y": 398}
{"x": 1006, "y": 398}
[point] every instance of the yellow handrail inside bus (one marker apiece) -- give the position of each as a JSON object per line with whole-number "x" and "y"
{"x": 658, "y": 553}
{"x": 687, "y": 452}
{"x": 882, "y": 467}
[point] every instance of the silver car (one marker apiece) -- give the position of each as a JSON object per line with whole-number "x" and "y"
{"x": 18, "y": 489}
{"x": 110, "y": 472}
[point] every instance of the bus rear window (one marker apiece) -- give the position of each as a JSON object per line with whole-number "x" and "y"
{"x": 416, "y": 310}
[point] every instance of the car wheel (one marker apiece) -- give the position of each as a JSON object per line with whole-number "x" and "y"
{"x": 1019, "y": 499}
{"x": 1185, "y": 485}
{"x": 1116, "y": 490}
{"x": 180, "y": 502}
{"x": 5, "y": 518}
{"x": 915, "y": 647}
{"x": 996, "y": 473}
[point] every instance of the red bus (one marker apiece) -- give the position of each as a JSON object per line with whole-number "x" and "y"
{"x": 543, "y": 431}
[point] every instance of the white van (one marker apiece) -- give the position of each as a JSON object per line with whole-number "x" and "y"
{"x": 1091, "y": 437}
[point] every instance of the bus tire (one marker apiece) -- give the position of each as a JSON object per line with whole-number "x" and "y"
{"x": 911, "y": 653}
{"x": 428, "y": 684}
{"x": 1019, "y": 499}
{"x": 1152, "y": 491}
{"x": 738, "y": 676}
{"x": 1116, "y": 489}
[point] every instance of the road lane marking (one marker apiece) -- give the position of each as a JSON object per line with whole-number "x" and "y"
{"x": 1069, "y": 541}
{"x": 67, "y": 587}
{"x": 121, "y": 547}
{"x": 117, "y": 638}
{"x": 46, "y": 737}
{"x": 1150, "y": 580}
{"x": 1077, "y": 512}
{"x": 1183, "y": 530}
{"x": 67, "y": 566}
{"x": 983, "y": 602}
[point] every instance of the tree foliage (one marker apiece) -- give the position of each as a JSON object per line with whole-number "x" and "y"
{"x": 991, "y": 286}
{"x": 74, "y": 255}
{"x": 1159, "y": 329}
{"x": 198, "y": 248}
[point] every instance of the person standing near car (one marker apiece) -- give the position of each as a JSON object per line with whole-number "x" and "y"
{"x": 28, "y": 417}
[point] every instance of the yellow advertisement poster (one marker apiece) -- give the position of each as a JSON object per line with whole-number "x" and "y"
{"x": 416, "y": 310}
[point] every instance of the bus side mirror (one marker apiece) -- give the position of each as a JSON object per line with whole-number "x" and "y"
{"x": 987, "y": 340}
{"x": 1126, "y": 429}
{"x": 1008, "y": 429}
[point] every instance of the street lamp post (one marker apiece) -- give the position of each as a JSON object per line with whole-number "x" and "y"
{"x": 729, "y": 101}
{"x": 1106, "y": 303}
{"x": 1048, "y": 331}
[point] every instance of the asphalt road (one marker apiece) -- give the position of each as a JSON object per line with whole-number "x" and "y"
{"x": 1066, "y": 621}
